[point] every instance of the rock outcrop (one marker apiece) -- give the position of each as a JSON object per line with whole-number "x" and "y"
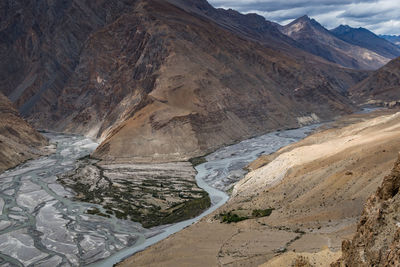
{"x": 18, "y": 140}
{"x": 377, "y": 240}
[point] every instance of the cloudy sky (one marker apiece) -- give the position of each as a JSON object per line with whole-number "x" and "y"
{"x": 380, "y": 16}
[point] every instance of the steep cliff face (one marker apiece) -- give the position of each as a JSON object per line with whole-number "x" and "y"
{"x": 377, "y": 240}
{"x": 381, "y": 87}
{"x": 321, "y": 42}
{"x": 40, "y": 46}
{"x": 18, "y": 140}
{"x": 156, "y": 81}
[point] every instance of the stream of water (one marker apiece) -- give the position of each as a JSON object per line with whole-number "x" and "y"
{"x": 41, "y": 225}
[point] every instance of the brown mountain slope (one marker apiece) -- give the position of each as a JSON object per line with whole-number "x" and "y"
{"x": 214, "y": 88}
{"x": 18, "y": 140}
{"x": 155, "y": 82}
{"x": 40, "y": 43}
{"x": 381, "y": 87}
{"x": 321, "y": 42}
{"x": 377, "y": 241}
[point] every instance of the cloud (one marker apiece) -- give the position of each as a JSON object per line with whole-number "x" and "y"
{"x": 380, "y": 16}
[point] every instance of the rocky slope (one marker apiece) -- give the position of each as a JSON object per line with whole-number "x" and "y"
{"x": 155, "y": 82}
{"x": 18, "y": 140}
{"x": 320, "y": 186}
{"x": 367, "y": 39}
{"x": 377, "y": 240}
{"x": 382, "y": 87}
{"x": 321, "y": 42}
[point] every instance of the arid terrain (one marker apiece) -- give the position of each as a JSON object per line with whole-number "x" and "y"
{"x": 317, "y": 191}
{"x": 381, "y": 87}
{"x": 377, "y": 240}
{"x": 133, "y": 94}
{"x": 159, "y": 81}
{"x": 18, "y": 140}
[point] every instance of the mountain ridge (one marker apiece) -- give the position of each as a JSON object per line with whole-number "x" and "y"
{"x": 321, "y": 42}
{"x": 395, "y": 39}
{"x": 367, "y": 39}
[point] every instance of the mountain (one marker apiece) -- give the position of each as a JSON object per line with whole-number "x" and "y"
{"x": 252, "y": 26}
{"x": 381, "y": 87}
{"x": 321, "y": 42}
{"x": 395, "y": 39}
{"x": 377, "y": 240}
{"x": 154, "y": 81}
{"x": 365, "y": 38}
{"x": 18, "y": 140}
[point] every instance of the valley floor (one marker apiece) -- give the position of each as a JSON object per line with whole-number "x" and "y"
{"x": 317, "y": 188}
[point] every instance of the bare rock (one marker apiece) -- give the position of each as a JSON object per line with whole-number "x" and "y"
{"x": 18, "y": 140}
{"x": 377, "y": 240}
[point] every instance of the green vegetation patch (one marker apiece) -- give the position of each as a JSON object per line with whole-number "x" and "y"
{"x": 262, "y": 213}
{"x": 241, "y": 215}
{"x": 186, "y": 210}
{"x": 151, "y": 200}
{"x": 232, "y": 217}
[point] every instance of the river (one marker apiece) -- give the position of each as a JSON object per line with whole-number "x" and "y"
{"x": 41, "y": 225}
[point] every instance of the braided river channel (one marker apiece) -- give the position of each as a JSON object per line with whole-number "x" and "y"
{"x": 42, "y": 225}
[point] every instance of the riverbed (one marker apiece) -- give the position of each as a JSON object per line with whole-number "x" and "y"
{"x": 40, "y": 224}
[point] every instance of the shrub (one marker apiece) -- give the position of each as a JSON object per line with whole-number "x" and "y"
{"x": 232, "y": 217}
{"x": 262, "y": 213}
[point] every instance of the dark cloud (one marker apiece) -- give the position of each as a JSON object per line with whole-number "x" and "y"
{"x": 380, "y": 16}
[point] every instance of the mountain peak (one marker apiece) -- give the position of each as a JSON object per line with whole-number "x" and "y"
{"x": 304, "y": 18}
{"x": 303, "y": 24}
{"x": 341, "y": 29}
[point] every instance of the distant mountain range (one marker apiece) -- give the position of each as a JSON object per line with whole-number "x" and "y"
{"x": 395, "y": 39}
{"x": 367, "y": 39}
{"x": 334, "y": 47}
